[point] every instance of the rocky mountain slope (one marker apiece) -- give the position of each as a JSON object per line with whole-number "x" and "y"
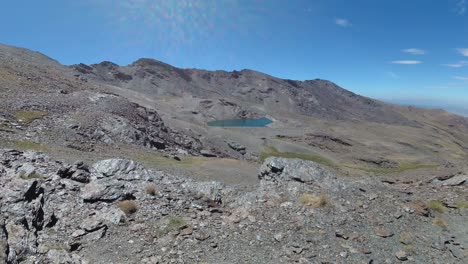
{"x": 44, "y": 101}
{"x": 318, "y": 98}
{"x": 191, "y": 97}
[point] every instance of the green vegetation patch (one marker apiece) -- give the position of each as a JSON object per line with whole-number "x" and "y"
{"x": 173, "y": 223}
{"x": 27, "y": 116}
{"x": 401, "y": 168}
{"x": 462, "y": 205}
{"x": 176, "y": 222}
{"x": 154, "y": 159}
{"x": 271, "y": 151}
{"x": 436, "y": 206}
{"x": 25, "y": 145}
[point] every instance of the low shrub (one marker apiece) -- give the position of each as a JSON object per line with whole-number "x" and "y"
{"x": 308, "y": 199}
{"x": 151, "y": 189}
{"x": 439, "y": 221}
{"x": 128, "y": 207}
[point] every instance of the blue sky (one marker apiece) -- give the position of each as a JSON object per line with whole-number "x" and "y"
{"x": 392, "y": 49}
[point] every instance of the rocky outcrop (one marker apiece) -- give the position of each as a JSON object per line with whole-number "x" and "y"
{"x": 280, "y": 170}
{"x": 40, "y": 196}
{"x": 79, "y": 172}
{"x": 223, "y": 109}
{"x": 122, "y": 122}
{"x": 453, "y": 180}
{"x": 116, "y": 167}
{"x": 237, "y": 147}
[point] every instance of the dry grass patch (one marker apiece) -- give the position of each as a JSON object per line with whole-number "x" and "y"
{"x": 308, "y": 199}
{"x": 27, "y": 116}
{"x": 439, "y": 221}
{"x": 406, "y": 238}
{"x": 33, "y": 175}
{"x": 151, "y": 189}
{"x": 410, "y": 249}
{"x": 153, "y": 159}
{"x": 128, "y": 207}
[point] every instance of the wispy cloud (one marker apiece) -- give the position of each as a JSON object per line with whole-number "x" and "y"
{"x": 343, "y": 22}
{"x": 415, "y": 51}
{"x": 461, "y": 7}
{"x": 392, "y": 75}
{"x": 461, "y": 78}
{"x": 457, "y": 65}
{"x": 407, "y": 62}
{"x": 463, "y": 51}
{"x": 438, "y": 87}
{"x": 454, "y": 86}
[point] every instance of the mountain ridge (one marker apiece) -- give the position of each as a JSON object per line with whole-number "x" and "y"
{"x": 151, "y": 104}
{"x": 317, "y": 97}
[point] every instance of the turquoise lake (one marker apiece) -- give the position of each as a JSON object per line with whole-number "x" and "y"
{"x": 247, "y": 122}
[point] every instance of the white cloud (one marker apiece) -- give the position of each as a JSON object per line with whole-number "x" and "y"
{"x": 463, "y": 51}
{"x": 407, "y": 62}
{"x": 461, "y": 78}
{"x": 343, "y": 22}
{"x": 415, "y": 51}
{"x": 457, "y": 65}
{"x": 461, "y": 7}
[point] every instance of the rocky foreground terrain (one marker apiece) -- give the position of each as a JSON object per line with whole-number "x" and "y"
{"x": 116, "y": 164}
{"x": 116, "y": 211}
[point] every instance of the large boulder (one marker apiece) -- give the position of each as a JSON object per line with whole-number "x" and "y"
{"x": 454, "y": 180}
{"x": 121, "y": 169}
{"x": 282, "y": 170}
{"x": 213, "y": 190}
{"x": 237, "y": 147}
{"x": 114, "y": 179}
{"x": 104, "y": 191}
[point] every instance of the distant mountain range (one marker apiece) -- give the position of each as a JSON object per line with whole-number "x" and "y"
{"x": 453, "y": 107}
